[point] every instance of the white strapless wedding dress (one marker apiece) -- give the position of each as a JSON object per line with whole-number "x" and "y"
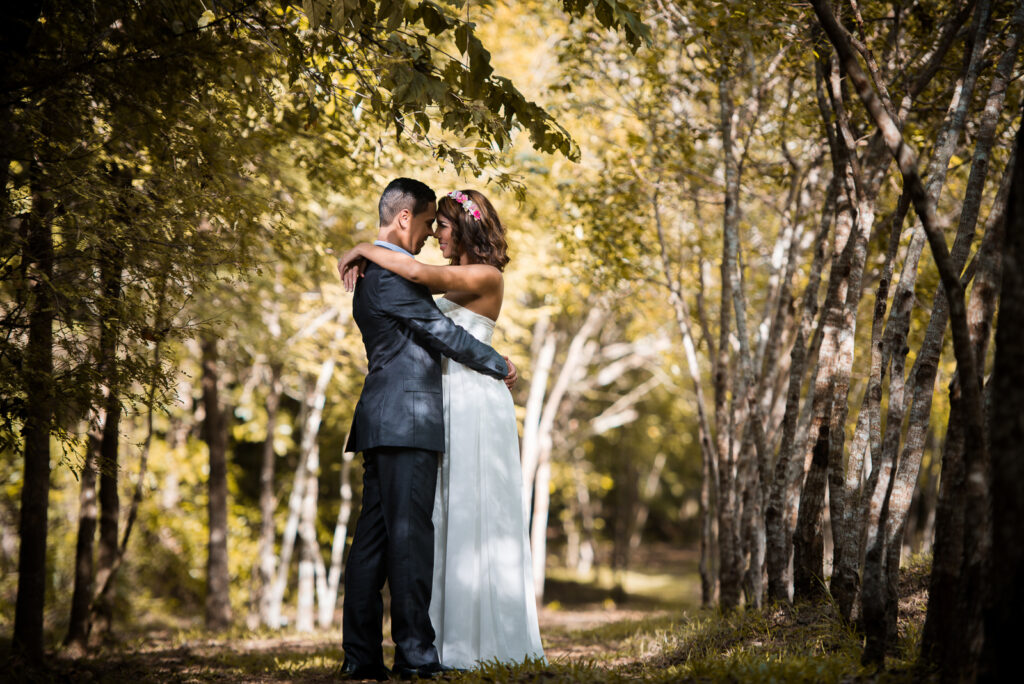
{"x": 483, "y": 605}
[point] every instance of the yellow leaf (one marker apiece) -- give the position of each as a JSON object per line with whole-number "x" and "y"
{"x": 205, "y": 18}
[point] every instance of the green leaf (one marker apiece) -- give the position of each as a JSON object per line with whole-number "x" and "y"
{"x": 423, "y": 121}
{"x": 433, "y": 18}
{"x": 395, "y": 15}
{"x": 339, "y": 17}
{"x": 315, "y": 10}
{"x": 480, "y": 68}
{"x": 462, "y": 34}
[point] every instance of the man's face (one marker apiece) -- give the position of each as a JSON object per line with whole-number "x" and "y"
{"x": 421, "y": 227}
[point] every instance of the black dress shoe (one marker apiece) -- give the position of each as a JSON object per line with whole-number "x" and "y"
{"x": 428, "y": 671}
{"x": 353, "y": 672}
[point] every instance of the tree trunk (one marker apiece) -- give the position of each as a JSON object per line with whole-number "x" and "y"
{"x": 109, "y": 468}
{"x": 777, "y": 527}
{"x": 944, "y": 613}
{"x": 218, "y": 582}
{"x": 926, "y": 364}
{"x": 831, "y": 382}
{"x": 875, "y": 599}
{"x": 730, "y": 574}
{"x": 626, "y": 498}
{"x": 580, "y": 557}
{"x": 104, "y": 591}
{"x": 846, "y": 564}
{"x": 39, "y": 393}
{"x": 329, "y": 600}
{"x": 313, "y": 409}
{"x": 542, "y": 358}
{"x": 576, "y": 360}
{"x": 643, "y": 508}
{"x": 1005, "y": 581}
{"x": 709, "y": 463}
{"x": 309, "y": 548}
{"x": 77, "y": 638}
{"x": 268, "y": 502}
{"x": 102, "y": 456}
{"x": 708, "y": 536}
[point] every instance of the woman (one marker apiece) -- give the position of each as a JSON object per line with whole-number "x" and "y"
{"x": 483, "y": 603}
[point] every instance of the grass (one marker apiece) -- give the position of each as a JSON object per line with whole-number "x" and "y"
{"x": 588, "y": 637}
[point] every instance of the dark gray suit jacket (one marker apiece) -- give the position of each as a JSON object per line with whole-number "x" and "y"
{"x": 405, "y": 335}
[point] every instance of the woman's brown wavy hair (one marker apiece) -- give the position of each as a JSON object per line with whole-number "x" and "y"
{"x": 482, "y": 239}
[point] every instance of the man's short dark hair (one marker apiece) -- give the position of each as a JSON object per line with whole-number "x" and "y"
{"x": 403, "y": 193}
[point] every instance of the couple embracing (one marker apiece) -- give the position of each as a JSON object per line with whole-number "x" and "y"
{"x": 442, "y": 520}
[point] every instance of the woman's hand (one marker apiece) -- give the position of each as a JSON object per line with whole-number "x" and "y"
{"x": 351, "y": 266}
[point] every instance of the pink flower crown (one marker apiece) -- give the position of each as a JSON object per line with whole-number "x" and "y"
{"x": 468, "y": 205}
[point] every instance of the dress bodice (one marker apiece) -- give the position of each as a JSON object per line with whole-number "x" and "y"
{"x": 479, "y": 326}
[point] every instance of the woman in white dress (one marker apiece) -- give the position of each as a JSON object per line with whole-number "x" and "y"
{"x": 483, "y": 605}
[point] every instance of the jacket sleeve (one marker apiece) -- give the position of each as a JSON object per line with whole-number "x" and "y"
{"x": 412, "y": 306}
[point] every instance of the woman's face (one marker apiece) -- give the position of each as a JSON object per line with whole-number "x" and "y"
{"x": 443, "y": 233}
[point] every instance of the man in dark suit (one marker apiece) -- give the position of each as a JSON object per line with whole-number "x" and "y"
{"x": 399, "y": 427}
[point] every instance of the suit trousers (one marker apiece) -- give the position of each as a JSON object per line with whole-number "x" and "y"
{"x": 393, "y": 541}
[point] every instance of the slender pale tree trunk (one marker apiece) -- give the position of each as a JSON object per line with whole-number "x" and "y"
{"x": 218, "y": 582}
{"x": 730, "y": 573}
{"x": 543, "y": 356}
{"x": 313, "y": 580}
{"x": 577, "y": 358}
{"x": 828, "y": 429}
{"x": 788, "y": 470}
{"x": 268, "y": 501}
{"x": 329, "y": 599}
{"x": 647, "y": 492}
{"x": 303, "y": 473}
{"x": 709, "y": 463}
{"x": 808, "y": 543}
{"x": 845, "y": 584}
{"x": 288, "y": 538}
{"x": 751, "y": 479}
{"x": 309, "y": 547}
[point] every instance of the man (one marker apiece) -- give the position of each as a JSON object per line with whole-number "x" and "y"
{"x": 399, "y": 427}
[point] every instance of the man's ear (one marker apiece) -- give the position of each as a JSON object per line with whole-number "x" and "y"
{"x": 404, "y": 219}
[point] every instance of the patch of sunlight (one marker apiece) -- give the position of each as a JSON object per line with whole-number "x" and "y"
{"x": 668, "y": 589}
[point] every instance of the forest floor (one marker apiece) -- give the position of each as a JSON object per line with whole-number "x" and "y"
{"x": 648, "y": 629}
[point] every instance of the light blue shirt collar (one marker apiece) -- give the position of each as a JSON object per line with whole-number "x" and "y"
{"x": 393, "y": 248}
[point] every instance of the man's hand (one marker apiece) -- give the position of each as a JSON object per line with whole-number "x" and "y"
{"x": 513, "y": 374}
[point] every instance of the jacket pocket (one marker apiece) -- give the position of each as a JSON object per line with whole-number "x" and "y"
{"x": 423, "y": 397}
